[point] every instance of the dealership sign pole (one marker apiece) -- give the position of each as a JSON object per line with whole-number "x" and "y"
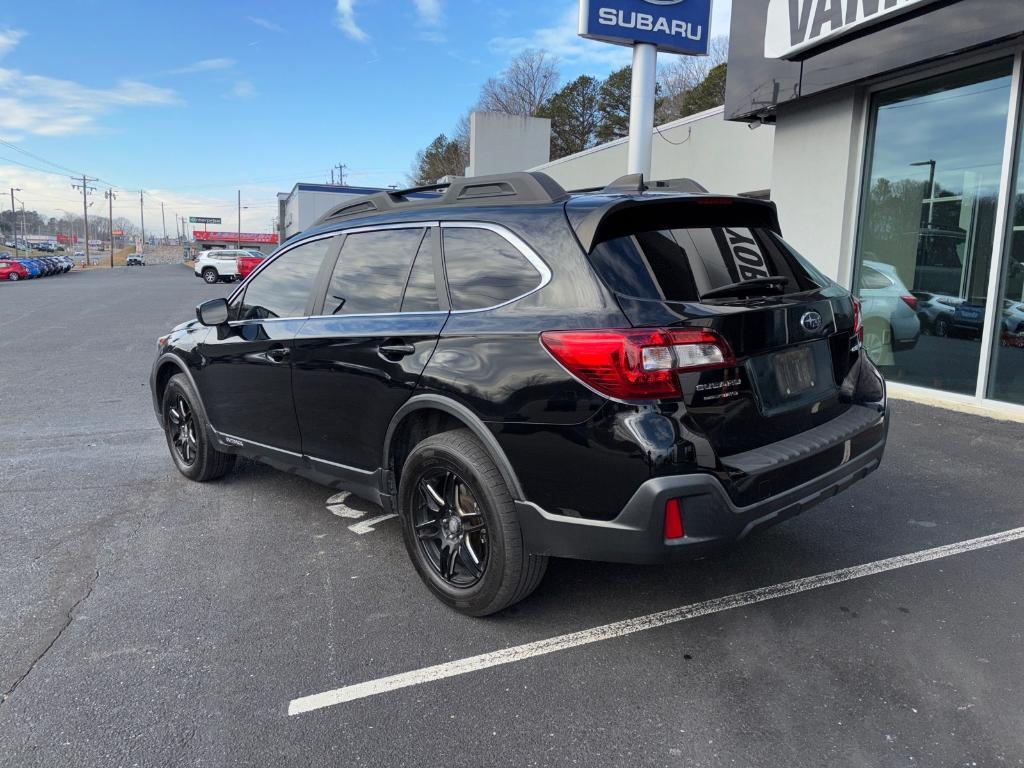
{"x": 648, "y": 26}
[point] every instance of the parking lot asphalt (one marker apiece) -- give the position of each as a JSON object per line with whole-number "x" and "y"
{"x": 146, "y": 620}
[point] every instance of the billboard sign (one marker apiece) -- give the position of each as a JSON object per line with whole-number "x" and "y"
{"x": 796, "y": 26}
{"x": 203, "y": 220}
{"x": 232, "y": 237}
{"x": 674, "y": 26}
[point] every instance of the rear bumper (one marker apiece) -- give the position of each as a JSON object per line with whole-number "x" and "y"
{"x": 711, "y": 518}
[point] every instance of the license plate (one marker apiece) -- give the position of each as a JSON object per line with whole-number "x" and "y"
{"x": 794, "y": 371}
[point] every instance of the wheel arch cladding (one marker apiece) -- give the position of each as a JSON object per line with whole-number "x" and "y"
{"x": 426, "y": 415}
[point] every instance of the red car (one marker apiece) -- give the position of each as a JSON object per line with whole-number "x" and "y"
{"x": 13, "y": 270}
{"x": 247, "y": 264}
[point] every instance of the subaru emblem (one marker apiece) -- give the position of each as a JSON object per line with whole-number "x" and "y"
{"x": 811, "y": 321}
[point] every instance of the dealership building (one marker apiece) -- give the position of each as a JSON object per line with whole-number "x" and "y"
{"x": 889, "y": 133}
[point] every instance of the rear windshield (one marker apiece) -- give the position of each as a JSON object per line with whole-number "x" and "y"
{"x": 684, "y": 264}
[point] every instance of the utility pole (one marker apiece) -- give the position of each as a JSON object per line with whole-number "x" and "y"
{"x": 142, "y": 221}
{"x": 238, "y": 244}
{"x": 109, "y": 194}
{"x": 86, "y": 189}
{"x": 177, "y": 229}
{"x": 164, "y": 221}
{"x": 23, "y": 223}
{"x": 14, "y": 221}
{"x": 341, "y": 173}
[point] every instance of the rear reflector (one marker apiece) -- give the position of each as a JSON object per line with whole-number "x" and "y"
{"x": 858, "y": 320}
{"x": 637, "y": 363}
{"x": 673, "y": 520}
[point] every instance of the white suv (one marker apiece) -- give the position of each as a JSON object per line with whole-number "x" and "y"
{"x": 219, "y": 264}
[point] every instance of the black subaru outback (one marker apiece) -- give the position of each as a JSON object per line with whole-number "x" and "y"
{"x": 632, "y": 374}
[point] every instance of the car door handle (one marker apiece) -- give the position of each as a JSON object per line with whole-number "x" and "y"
{"x": 278, "y": 355}
{"x": 395, "y": 348}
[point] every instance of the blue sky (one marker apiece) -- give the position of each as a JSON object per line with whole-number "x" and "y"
{"x": 191, "y": 101}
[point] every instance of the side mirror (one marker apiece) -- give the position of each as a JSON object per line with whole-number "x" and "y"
{"x": 213, "y": 312}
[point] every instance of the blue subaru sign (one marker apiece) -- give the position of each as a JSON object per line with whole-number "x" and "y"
{"x": 675, "y": 26}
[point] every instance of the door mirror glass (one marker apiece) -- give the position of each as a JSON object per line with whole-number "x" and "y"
{"x": 213, "y": 312}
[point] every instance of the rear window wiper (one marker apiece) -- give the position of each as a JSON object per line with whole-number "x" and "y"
{"x": 747, "y": 286}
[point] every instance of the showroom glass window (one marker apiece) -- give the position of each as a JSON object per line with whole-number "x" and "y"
{"x": 1007, "y": 375}
{"x": 928, "y": 224}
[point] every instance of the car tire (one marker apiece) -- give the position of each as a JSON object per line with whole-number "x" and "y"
{"x": 13, "y": 277}
{"x": 941, "y": 327}
{"x": 194, "y": 453}
{"x": 210, "y": 275}
{"x": 507, "y": 573}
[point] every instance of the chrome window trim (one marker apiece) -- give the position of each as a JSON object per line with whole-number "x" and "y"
{"x": 516, "y": 242}
{"x": 510, "y": 237}
{"x": 274, "y": 257}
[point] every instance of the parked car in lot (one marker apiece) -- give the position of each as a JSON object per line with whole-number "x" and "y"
{"x": 634, "y": 374}
{"x": 890, "y": 312}
{"x": 935, "y": 310}
{"x": 135, "y": 260}
{"x": 35, "y": 269}
{"x": 249, "y": 262}
{"x": 219, "y": 265}
{"x": 12, "y": 270}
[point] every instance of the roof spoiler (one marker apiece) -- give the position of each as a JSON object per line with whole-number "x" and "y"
{"x": 633, "y": 183}
{"x": 629, "y": 215}
{"x": 503, "y": 189}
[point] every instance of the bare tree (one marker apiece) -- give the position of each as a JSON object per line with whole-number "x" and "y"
{"x": 683, "y": 74}
{"x": 530, "y": 80}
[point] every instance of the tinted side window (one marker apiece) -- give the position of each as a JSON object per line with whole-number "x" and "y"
{"x": 283, "y": 288}
{"x": 421, "y": 291}
{"x": 484, "y": 269}
{"x": 371, "y": 272}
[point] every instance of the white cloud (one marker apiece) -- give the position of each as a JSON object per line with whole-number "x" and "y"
{"x": 430, "y": 18}
{"x": 429, "y": 11}
{"x": 266, "y": 24}
{"x": 562, "y": 39}
{"x": 9, "y": 39}
{"x": 242, "y": 89}
{"x": 50, "y": 194}
{"x": 50, "y": 107}
{"x": 206, "y": 65}
{"x": 47, "y": 106}
{"x": 346, "y": 20}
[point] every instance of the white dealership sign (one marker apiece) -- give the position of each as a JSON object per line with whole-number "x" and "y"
{"x": 795, "y": 26}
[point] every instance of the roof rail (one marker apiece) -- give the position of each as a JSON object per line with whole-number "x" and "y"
{"x": 635, "y": 183}
{"x": 518, "y": 188}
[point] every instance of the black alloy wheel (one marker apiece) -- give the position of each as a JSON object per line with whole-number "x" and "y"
{"x": 451, "y": 529}
{"x": 181, "y": 424}
{"x": 461, "y": 528}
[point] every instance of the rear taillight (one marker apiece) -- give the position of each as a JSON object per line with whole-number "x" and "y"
{"x": 637, "y": 363}
{"x": 858, "y": 320}
{"x": 910, "y": 301}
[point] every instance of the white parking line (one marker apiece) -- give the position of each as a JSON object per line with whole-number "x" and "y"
{"x": 338, "y": 506}
{"x": 639, "y": 624}
{"x": 367, "y": 526}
